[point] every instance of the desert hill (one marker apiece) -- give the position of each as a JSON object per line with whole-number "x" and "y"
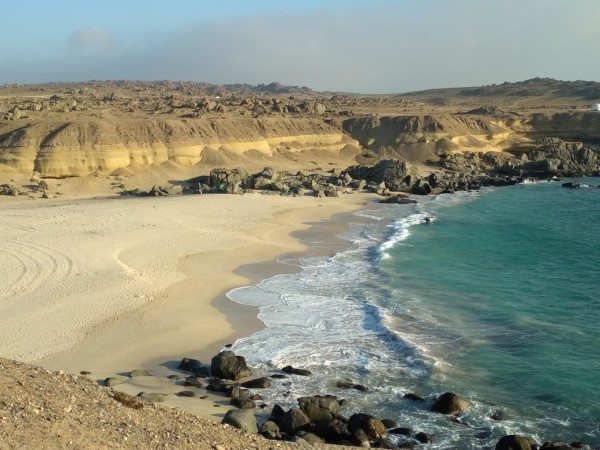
{"x": 76, "y": 129}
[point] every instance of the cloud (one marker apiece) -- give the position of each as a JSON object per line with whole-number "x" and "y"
{"x": 91, "y": 38}
{"x": 409, "y": 45}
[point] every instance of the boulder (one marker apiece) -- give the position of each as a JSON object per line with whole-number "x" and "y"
{"x": 194, "y": 366}
{"x": 295, "y": 371}
{"x": 243, "y": 403}
{"x": 423, "y": 438}
{"x": 218, "y": 385}
{"x": 229, "y": 366}
{"x": 294, "y": 420}
{"x": 309, "y": 438}
{"x": 258, "y": 383}
{"x": 372, "y": 426}
{"x": 450, "y": 403}
{"x": 320, "y": 408}
{"x": 242, "y": 419}
{"x": 514, "y": 442}
{"x": 192, "y": 381}
{"x": 270, "y": 430}
{"x": 332, "y": 430}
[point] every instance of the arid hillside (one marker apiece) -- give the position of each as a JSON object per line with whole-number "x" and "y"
{"x": 64, "y": 130}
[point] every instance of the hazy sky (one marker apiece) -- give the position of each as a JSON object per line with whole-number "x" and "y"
{"x": 368, "y": 46}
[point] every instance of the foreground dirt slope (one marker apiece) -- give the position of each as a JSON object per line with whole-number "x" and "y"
{"x": 40, "y": 409}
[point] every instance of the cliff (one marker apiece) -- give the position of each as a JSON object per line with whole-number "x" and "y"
{"x": 81, "y": 146}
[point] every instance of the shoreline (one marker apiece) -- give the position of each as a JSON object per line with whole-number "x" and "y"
{"x": 155, "y": 333}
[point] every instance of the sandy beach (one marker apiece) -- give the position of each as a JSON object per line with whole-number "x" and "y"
{"x": 108, "y": 285}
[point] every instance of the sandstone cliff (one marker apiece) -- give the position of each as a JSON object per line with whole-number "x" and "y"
{"x": 82, "y": 146}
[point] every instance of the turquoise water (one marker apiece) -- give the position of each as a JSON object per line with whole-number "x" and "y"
{"x": 517, "y": 272}
{"x": 496, "y": 299}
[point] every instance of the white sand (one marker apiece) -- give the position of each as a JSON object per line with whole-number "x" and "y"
{"x": 109, "y": 285}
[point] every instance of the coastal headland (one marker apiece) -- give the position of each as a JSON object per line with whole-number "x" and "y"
{"x": 117, "y": 256}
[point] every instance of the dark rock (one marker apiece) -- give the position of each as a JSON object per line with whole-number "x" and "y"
{"x": 398, "y": 199}
{"x": 242, "y": 419}
{"x": 514, "y": 442}
{"x": 256, "y": 397}
{"x": 372, "y": 426}
{"x": 415, "y": 397}
{"x": 360, "y": 438}
{"x": 278, "y": 376}
{"x": 243, "y": 403}
{"x": 389, "y": 423}
{"x": 571, "y": 185}
{"x": 189, "y": 364}
{"x": 383, "y": 443}
{"x": 556, "y": 446}
{"x": 498, "y": 415}
{"x": 450, "y": 403}
{"x": 295, "y": 371}
{"x": 186, "y": 394}
{"x": 139, "y": 373}
{"x": 258, "y": 383}
{"x": 192, "y": 381}
{"x": 423, "y": 438}
{"x": 277, "y": 411}
{"x": 332, "y": 430}
{"x": 235, "y": 391}
{"x": 228, "y": 366}
{"x": 320, "y": 408}
{"x": 404, "y": 431}
{"x": 294, "y": 420}
{"x": 218, "y": 385}
{"x": 270, "y": 430}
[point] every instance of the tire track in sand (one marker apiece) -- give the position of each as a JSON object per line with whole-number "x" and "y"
{"x": 29, "y": 266}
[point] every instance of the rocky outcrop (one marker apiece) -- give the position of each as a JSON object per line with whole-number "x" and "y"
{"x": 450, "y": 403}
{"x": 228, "y": 366}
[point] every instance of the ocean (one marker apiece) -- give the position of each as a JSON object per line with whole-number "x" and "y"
{"x": 495, "y": 298}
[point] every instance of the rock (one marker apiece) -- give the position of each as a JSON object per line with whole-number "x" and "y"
{"x": 113, "y": 381}
{"x": 152, "y": 397}
{"x": 258, "y": 383}
{"x": 360, "y": 438}
{"x": 309, "y": 438}
{"x": 235, "y": 391}
{"x": 383, "y": 443}
{"x": 185, "y": 394}
{"x": 277, "y": 411}
{"x": 243, "y": 403}
{"x": 294, "y": 420}
{"x": 320, "y": 408}
{"x": 414, "y": 397}
{"x": 450, "y": 403}
{"x": 398, "y": 199}
{"x": 423, "y": 438}
{"x": 498, "y": 415}
{"x": 558, "y": 446}
{"x": 404, "y": 431}
{"x": 229, "y": 366}
{"x": 192, "y": 381}
{"x": 514, "y": 442}
{"x": 332, "y": 430}
{"x": 372, "y": 426}
{"x": 190, "y": 365}
{"x": 242, "y": 419}
{"x": 139, "y": 373}
{"x": 389, "y": 423}
{"x": 295, "y": 371}
{"x": 571, "y": 185}
{"x": 270, "y": 430}
{"x": 218, "y": 385}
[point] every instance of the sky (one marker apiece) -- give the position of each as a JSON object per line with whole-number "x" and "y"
{"x": 366, "y": 46}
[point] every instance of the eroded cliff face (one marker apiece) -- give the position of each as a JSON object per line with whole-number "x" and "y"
{"x": 423, "y": 138}
{"x": 80, "y": 147}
